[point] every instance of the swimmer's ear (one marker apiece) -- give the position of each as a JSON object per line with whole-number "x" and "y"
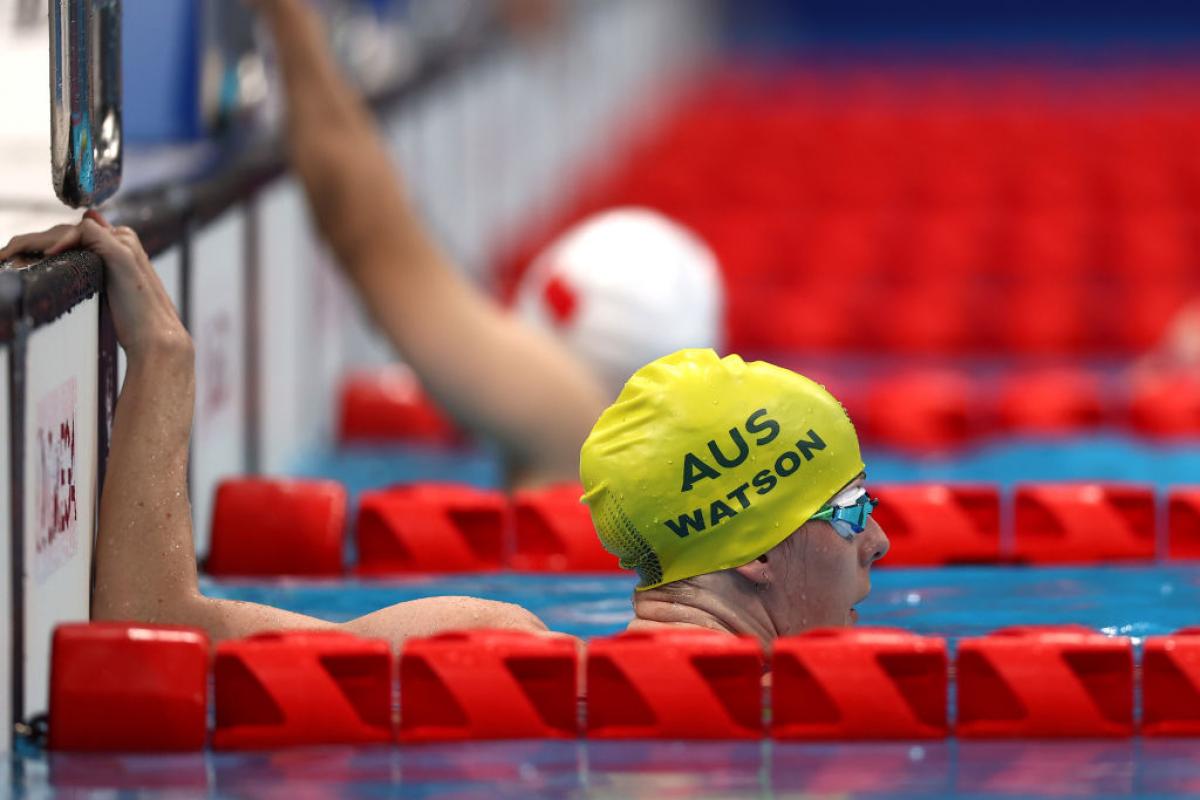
{"x": 757, "y": 571}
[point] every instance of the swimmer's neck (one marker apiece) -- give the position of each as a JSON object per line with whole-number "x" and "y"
{"x": 709, "y": 602}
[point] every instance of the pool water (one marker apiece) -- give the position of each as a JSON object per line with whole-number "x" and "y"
{"x": 953, "y": 602}
{"x": 1134, "y": 601}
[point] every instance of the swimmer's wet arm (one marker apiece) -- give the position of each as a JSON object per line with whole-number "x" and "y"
{"x": 145, "y": 562}
{"x": 145, "y": 567}
{"x": 145, "y": 557}
{"x": 493, "y": 374}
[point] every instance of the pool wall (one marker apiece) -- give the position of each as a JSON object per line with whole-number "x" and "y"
{"x": 59, "y": 360}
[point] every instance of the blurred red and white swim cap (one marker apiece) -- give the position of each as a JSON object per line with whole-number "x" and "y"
{"x": 623, "y": 288}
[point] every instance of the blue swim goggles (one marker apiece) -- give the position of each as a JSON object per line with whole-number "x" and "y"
{"x": 848, "y": 512}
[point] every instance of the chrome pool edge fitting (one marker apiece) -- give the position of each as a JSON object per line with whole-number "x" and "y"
{"x": 85, "y": 99}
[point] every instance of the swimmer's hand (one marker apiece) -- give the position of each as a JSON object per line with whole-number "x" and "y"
{"x": 144, "y": 317}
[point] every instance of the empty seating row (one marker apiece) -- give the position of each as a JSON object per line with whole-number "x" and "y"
{"x": 118, "y": 686}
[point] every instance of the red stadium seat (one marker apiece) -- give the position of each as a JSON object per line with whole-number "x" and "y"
{"x": 554, "y": 533}
{"x": 946, "y": 246}
{"x": 859, "y": 684}
{"x": 925, "y": 319}
{"x": 1050, "y": 246}
{"x": 302, "y": 688}
{"x": 264, "y": 527}
{"x": 1137, "y": 182}
{"x": 1166, "y": 405}
{"x": 1154, "y": 245}
{"x": 1083, "y": 523}
{"x": 934, "y": 524}
{"x": 770, "y": 317}
{"x": 1044, "y": 319}
{"x": 488, "y": 685}
{"x": 833, "y": 248}
{"x": 924, "y": 412}
{"x": 118, "y": 686}
{"x": 388, "y": 405}
{"x": 1171, "y": 685}
{"x": 1052, "y": 402}
{"x": 431, "y": 528}
{"x": 674, "y": 685}
{"x": 1183, "y": 522}
{"x": 1147, "y": 309}
{"x": 1050, "y": 682}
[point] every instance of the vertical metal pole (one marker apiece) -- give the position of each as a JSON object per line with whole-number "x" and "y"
{"x": 10, "y": 298}
{"x": 16, "y": 422}
{"x": 251, "y": 390}
{"x": 106, "y": 400}
{"x": 107, "y": 394}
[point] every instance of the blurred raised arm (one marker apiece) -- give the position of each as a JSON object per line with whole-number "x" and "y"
{"x": 495, "y": 375}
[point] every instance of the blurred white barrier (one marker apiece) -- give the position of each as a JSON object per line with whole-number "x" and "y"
{"x": 59, "y": 471}
{"x": 294, "y": 403}
{"x": 218, "y": 326}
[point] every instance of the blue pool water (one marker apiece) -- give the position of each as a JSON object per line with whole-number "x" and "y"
{"x": 955, "y": 602}
{"x": 965, "y": 601}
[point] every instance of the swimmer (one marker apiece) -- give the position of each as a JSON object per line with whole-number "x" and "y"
{"x": 737, "y": 493}
{"x": 145, "y": 569}
{"x": 622, "y": 288}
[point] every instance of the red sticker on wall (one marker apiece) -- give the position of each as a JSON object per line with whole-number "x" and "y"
{"x": 57, "y": 533}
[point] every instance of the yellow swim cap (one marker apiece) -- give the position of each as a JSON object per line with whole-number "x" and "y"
{"x": 705, "y": 463}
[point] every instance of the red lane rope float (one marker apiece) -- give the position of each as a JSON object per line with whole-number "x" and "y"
{"x": 388, "y": 405}
{"x": 447, "y": 528}
{"x": 1056, "y": 402}
{"x": 268, "y": 527}
{"x": 1083, "y": 523}
{"x": 119, "y": 686}
{"x": 1183, "y": 522}
{"x": 553, "y": 532}
{"x": 1166, "y": 405}
{"x": 674, "y": 685}
{"x": 265, "y": 527}
{"x": 934, "y": 524}
{"x": 302, "y": 688}
{"x": 1028, "y": 682}
{"x": 866, "y": 683}
{"x": 431, "y": 528}
{"x": 124, "y": 687}
{"x": 1171, "y": 684}
{"x": 923, "y": 411}
{"x": 489, "y": 685}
